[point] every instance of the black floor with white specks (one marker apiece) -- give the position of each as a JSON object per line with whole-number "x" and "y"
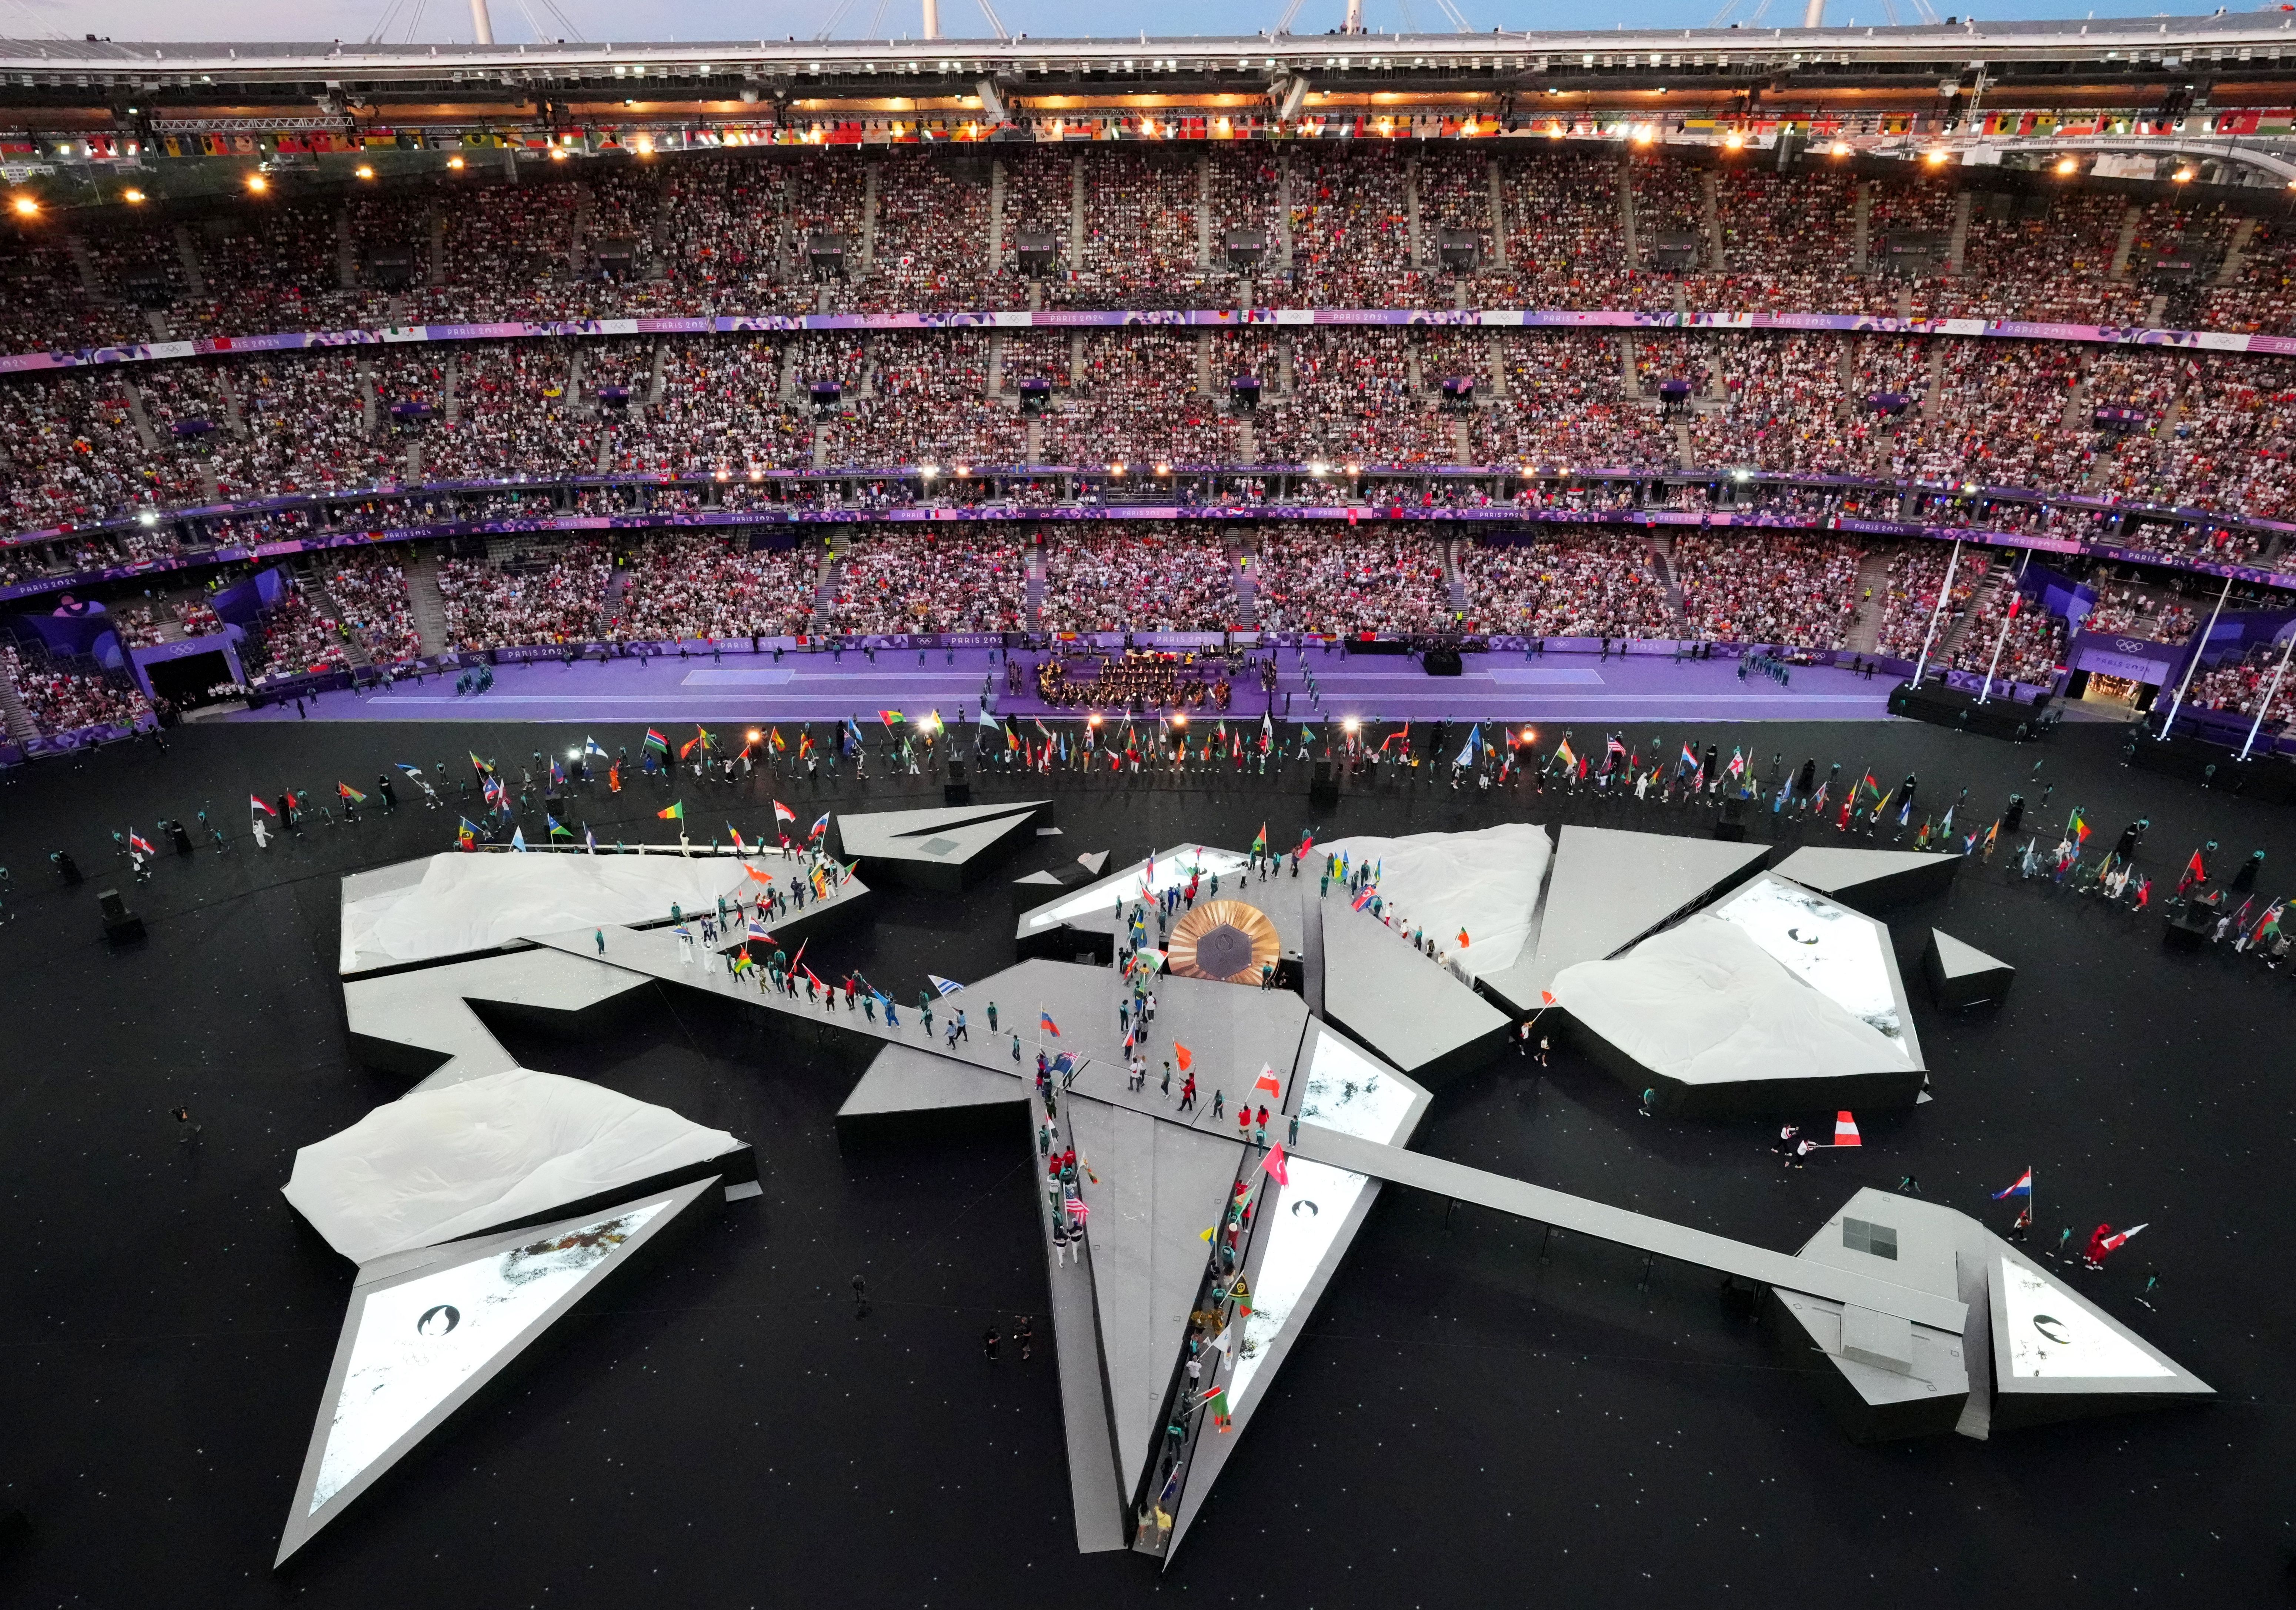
{"x": 1464, "y": 1423}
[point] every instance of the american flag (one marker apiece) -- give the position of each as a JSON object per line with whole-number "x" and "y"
{"x": 1077, "y": 1209}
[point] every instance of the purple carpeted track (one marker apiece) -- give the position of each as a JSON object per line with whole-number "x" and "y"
{"x": 820, "y": 687}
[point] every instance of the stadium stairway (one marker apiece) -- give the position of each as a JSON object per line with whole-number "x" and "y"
{"x": 12, "y": 713}
{"x": 1864, "y": 635}
{"x": 610, "y": 602}
{"x": 424, "y": 606}
{"x": 1033, "y": 611}
{"x": 1247, "y": 595}
{"x": 1949, "y": 643}
{"x": 315, "y": 589}
{"x": 1661, "y": 550}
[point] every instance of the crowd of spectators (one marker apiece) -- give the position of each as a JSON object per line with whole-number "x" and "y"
{"x": 1777, "y": 589}
{"x": 369, "y": 589}
{"x": 2032, "y": 650}
{"x": 61, "y": 701}
{"x": 1917, "y": 575}
{"x": 1306, "y": 580}
{"x": 2240, "y": 686}
{"x": 544, "y": 593}
{"x": 680, "y": 587}
{"x": 1597, "y": 584}
{"x": 291, "y": 639}
{"x": 942, "y": 581}
{"x": 1164, "y": 577}
{"x": 731, "y": 232}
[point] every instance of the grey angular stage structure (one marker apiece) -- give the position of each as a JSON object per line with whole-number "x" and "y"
{"x": 1209, "y": 1229}
{"x": 2030, "y": 1350}
{"x": 1960, "y": 975}
{"x": 945, "y": 849}
{"x": 479, "y": 1212}
{"x": 1773, "y": 999}
{"x": 1870, "y": 880}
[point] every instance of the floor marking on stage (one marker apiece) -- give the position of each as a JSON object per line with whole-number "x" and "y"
{"x": 736, "y": 678}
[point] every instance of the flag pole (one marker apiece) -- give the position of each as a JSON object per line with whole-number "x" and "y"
{"x": 2193, "y": 664}
{"x": 1945, "y": 592}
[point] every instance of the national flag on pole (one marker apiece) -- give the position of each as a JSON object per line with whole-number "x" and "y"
{"x": 1077, "y": 1209}
{"x": 136, "y": 841}
{"x": 591, "y": 746}
{"x": 558, "y": 829}
{"x": 1737, "y": 762}
{"x": 1268, "y": 1084}
{"x": 685, "y": 749}
{"x": 467, "y": 834}
{"x": 1045, "y": 1022}
{"x": 943, "y": 986}
{"x": 819, "y": 826}
{"x": 258, "y": 802}
{"x": 653, "y": 740}
{"x": 758, "y": 931}
{"x": 1845, "y": 1130}
{"x": 518, "y": 838}
{"x": 350, "y": 793}
{"x": 2077, "y": 827}
{"x": 413, "y": 771}
{"x": 2195, "y": 873}
{"x": 484, "y": 768}
{"x": 2115, "y": 1242}
{"x": 891, "y": 718}
{"x": 777, "y": 743}
{"x": 2023, "y": 1187}
{"x": 739, "y": 847}
{"x": 1279, "y": 1168}
{"x": 783, "y": 813}
{"x": 673, "y": 813}
{"x": 1259, "y": 844}
{"x": 557, "y": 773}
{"x": 1688, "y": 762}
{"x": 1184, "y": 1056}
{"x": 1565, "y": 754}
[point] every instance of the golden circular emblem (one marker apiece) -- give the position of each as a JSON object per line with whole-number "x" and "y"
{"x": 1224, "y": 939}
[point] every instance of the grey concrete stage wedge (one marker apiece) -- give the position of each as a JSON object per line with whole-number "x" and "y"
{"x": 1606, "y": 889}
{"x": 430, "y": 1330}
{"x": 1870, "y": 880}
{"x": 945, "y": 849}
{"x": 1773, "y": 999}
{"x": 420, "y": 1022}
{"x": 1960, "y": 975}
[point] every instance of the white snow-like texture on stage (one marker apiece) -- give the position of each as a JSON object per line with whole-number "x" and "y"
{"x": 475, "y": 902}
{"x": 437, "y": 1164}
{"x": 1705, "y": 1004}
{"x": 1485, "y": 882}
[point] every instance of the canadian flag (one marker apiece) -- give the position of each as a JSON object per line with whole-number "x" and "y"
{"x": 1845, "y": 1130}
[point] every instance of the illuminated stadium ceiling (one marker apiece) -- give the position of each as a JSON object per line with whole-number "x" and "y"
{"x": 2247, "y": 58}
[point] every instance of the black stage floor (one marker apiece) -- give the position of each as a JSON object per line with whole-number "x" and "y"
{"x": 1463, "y": 1424}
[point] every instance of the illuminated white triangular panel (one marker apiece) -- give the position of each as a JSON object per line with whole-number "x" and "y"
{"x": 427, "y": 1330}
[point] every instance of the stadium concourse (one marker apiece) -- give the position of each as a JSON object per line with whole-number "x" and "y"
{"x": 638, "y": 597}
